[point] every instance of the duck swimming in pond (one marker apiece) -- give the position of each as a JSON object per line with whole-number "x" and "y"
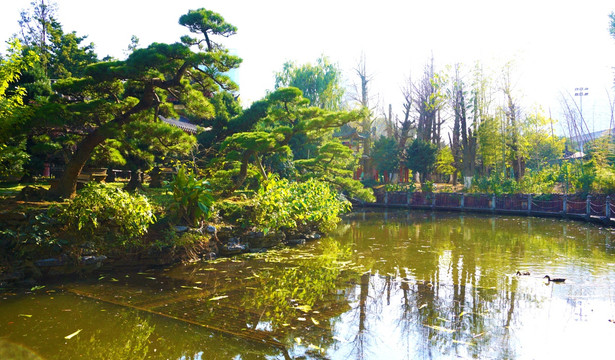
{"x": 519, "y": 273}
{"x": 554, "y": 280}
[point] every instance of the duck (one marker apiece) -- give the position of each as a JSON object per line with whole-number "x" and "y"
{"x": 519, "y": 273}
{"x": 559, "y": 280}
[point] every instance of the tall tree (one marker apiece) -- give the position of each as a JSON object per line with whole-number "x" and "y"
{"x": 513, "y": 114}
{"x": 320, "y": 83}
{"x": 421, "y": 157}
{"x": 288, "y": 117}
{"x": 12, "y": 154}
{"x": 429, "y": 100}
{"x": 362, "y": 97}
{"x": 464, "y": 136}
{"x": 115, "y": 93}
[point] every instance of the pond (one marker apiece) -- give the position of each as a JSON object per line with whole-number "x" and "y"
{"x": 386, "y": 284}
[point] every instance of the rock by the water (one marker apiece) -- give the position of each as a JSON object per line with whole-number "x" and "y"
{"x": 93, "y": 260}
{"x": 295, "y": 242}
{"x": 313, "y": 236}
{"x": 49, "y": 262}
{"x": 181, "y": 228}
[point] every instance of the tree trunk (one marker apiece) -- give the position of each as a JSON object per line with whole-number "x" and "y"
{"x": 66, "y": 186}
{"x": 136, "y": 181}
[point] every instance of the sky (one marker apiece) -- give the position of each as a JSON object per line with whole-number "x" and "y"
{"x": 554, "y": 46}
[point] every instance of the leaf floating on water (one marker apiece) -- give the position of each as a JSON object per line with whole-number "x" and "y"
{"x": 462, "y": 314}
{"x": 218, "y": 297}
{"x": 478, "y": 335}
{"x": 298, "y": 340}
{"x": 304, "y": 308}
{"x": 114, "y": 279}
{"x": 151, "y": 278}
{"x": 100, "y": 278}
{"x": 34, "y": 288}
{"x": 25, "y": 315}
{"x": 422, "y": 306}
{"x": 316, "y": 322}
{"x": 443, "y": 319}
{"x": 196, "y": 288}
{"x": 463, "y": 342}
{"x": 440, "y": 328}
{"x": 301, "y": 319}
{"x": 141, "y": 273}
{"x": 68, "y": 337}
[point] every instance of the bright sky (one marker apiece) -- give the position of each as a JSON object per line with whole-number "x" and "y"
{"x": 555, "y": 45}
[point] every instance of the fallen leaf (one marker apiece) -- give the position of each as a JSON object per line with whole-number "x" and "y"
{"x": 304, "y": 308}
{"x": 218, "y": 297}
{"x": 316, "y": 322}
{"x": 463, "y": 342}
{"x": 68, "y": 337}
{"x": 440, "y": 328}
{"x": 25, "y": 315}
{"x": 298, "y": 340}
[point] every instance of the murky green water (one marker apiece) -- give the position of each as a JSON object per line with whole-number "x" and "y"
{"x": 392, "y": 285}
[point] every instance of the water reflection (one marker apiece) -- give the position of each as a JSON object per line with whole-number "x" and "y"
{"x": 395, "y": 285}
{"x": 446, "y": 281}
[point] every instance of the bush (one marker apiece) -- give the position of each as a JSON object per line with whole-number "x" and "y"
{"x": 192, "y": 200}
{"x": 292, "y": 205}
{"x": 103, "y": 212}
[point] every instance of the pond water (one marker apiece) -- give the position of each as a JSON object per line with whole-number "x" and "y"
{"x": 386, "y": 285}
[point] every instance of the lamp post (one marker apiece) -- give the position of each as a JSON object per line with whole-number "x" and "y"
{"x": 580, "y": 92}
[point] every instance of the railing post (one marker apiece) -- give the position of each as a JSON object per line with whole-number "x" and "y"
{"x": 461, "y": 203}
{"x": 588, "y": 207}
{"x": 493, "y": 202}
{"x": 529, "y": 204}
{"x": 607, "y": 210}
{"x": 565, "y": 204}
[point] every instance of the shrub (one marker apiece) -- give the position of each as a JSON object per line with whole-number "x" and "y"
{"x": 100, "y": 211}
{"x": 292, "y": 205}
{"x": 192, "y": 200}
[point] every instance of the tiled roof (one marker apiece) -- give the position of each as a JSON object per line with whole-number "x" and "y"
{"x": 184, "y": 125}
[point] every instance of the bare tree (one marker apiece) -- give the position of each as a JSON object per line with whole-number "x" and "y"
{"x": 512, "y": 112}
{"x": 361, "y": 96}
{"x": 428, "y": 103}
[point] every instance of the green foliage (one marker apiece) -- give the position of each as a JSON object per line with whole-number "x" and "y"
{"x": 320, "y": 83}
{"x": 407, "y": 187}
{"x": 192, "y": 199}
{"x": 385, "y": 154}
{"x": 604, "y": 182}
{"x": 427, "y": 187}
{"x": 333, "y": 162}
{"x": 445, "y": 161}
{"x": 495, "y": 184}
{"x": 13, "y": 155}
{"x": 281, "y": 204}
{"x": 421, "y": 156}
{"x": 100, "y": 212}
{"x": 540, "y": 181}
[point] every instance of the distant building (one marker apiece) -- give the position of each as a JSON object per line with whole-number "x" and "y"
{"x": 181, "y": 123}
